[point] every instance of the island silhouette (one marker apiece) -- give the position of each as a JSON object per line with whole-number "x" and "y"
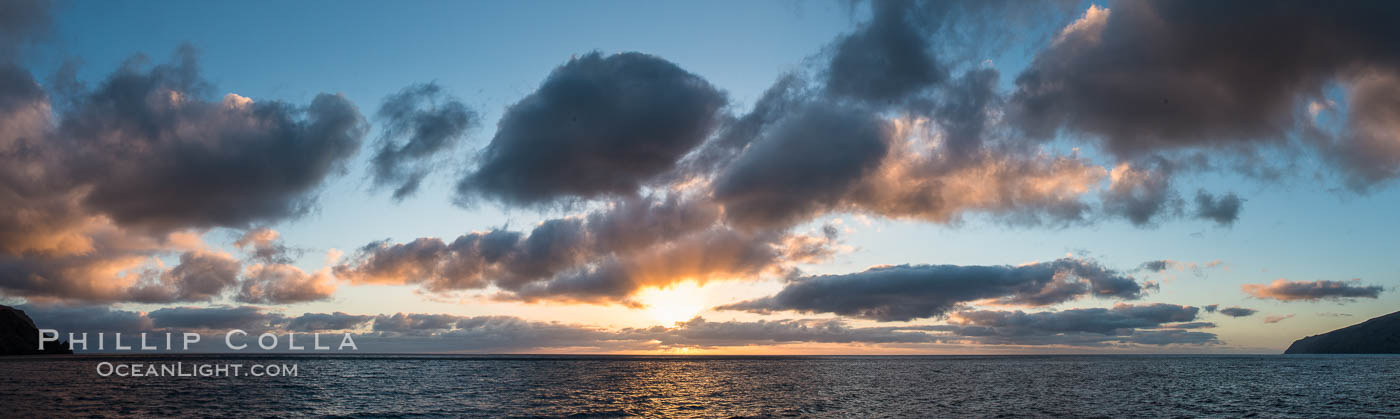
{"x": 1380, "y": 335}
{"x": 19, "y": 336}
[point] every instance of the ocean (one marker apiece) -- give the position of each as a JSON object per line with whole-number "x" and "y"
{"x": 718, "y": 386}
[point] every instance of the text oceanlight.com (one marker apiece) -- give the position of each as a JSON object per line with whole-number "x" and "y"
{"x": 183, "y": 369}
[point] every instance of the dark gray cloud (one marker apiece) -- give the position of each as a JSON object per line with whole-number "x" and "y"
{"x": 1173, "y": 267}
{"x": 1148, "y": 76}
{"x": 1092, "y": 320}
{"x": 314, "y": 322}
{"x": 1285, "y": 290}
{"x": 22, "y": 22}
{"x": 907, "y": 48}
{"x": 86, "y": 318}
{"x": 1224, "y": 210}
{"x": 1191, "y": 325}
{"x": 419, "y": 123}
{"x": 1152, "y": 324}
{"x": 736, "y": 133}
{"x": 597, "y": 126}
{"x": 213, "y": 318}
{"x": 1142, "y": 192}
{"x": 803, "y": 167}
{"x": 157, "y": 154}
{"x": 702, "y": 333}
{"x": 962, "y": 111}
{"x": 1369, "y": 149}
{"x": 905, "y": 292}
{"x": 886, "y": 59}
{"x": 18, "y": 92}
{"x": 1155, "y": 265}
{"x": 415, "y": 323}
{"x": 1238, "y": 311}
{"x": 1211, "y": 308}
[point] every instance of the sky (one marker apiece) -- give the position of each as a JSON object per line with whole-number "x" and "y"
{"x": 723, "y": 177}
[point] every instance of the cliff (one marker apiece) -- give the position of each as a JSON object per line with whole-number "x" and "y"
{"x": 19, "y": 336}
{"x": 1380, "y": 335}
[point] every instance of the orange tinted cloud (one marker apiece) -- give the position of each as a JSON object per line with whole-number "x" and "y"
{"x": 1285, "y": 290}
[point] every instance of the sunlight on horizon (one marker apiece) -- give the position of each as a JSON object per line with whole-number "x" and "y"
{"x": 675, "y": 303}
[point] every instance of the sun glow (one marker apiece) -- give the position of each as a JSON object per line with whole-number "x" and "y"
{"x": 676, "y": 303}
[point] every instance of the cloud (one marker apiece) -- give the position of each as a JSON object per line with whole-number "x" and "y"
{"x": 200, "y": 276}
{"x": 1091, "y": 320}
{"x": 898, "y": 136}
{"x": 886, "y": 59}
{"x": 1224, "y": 210}
{"x": 133, "y": 171}
{"x": 415, "y": 323}
{"x": 1276, "y": 319}
{"x": 1155, "y": 265}
{"x": 22, "y": 22}
{"x": 699, "y": 332}
{"x": 115, "y": 267}
{"x": 604, "y": 256}
{"x": 1142, "y": 192}
{"x": 1123, "y": 323}
{"x": 1191, "y": 325}
{"x": 265, "y": 245}
{"x": 315, "y": 322}
{"x": 96, "y": 318}
{"x": 248, "y": 318}
{"x": 598, "y": 126}
{"x": 437, "y": 333}
{"x": 876, "y": 133}
{"x": 284, "y": 284}
{"x": 1087, "y": 29}
{"x": 419, "y": 123}
{"x": 1285, "y": 290}
{"x": 736, "y": 133}
{"x": 1146, "y": 77}
{"x": 966, "y": 105}
{"x": 1171, "y": 267}
{"x": 272, "y": 279}
{"x": 782, "y": 179}
{"x": 1369, "y": 149}
{"x": 883, "y": 128}
{"x": 905, "y": 292}
{"x": 934, "y": 168}
{"x": 80, "y": 318}
{"x": 1017, "y": 188}
{"x": 154, "y": 153}
{"x": 908, "y": 48}
{"x": 1238, "y": 311}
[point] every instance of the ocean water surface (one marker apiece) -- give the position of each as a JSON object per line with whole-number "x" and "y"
{"x": 683, "y": 386}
